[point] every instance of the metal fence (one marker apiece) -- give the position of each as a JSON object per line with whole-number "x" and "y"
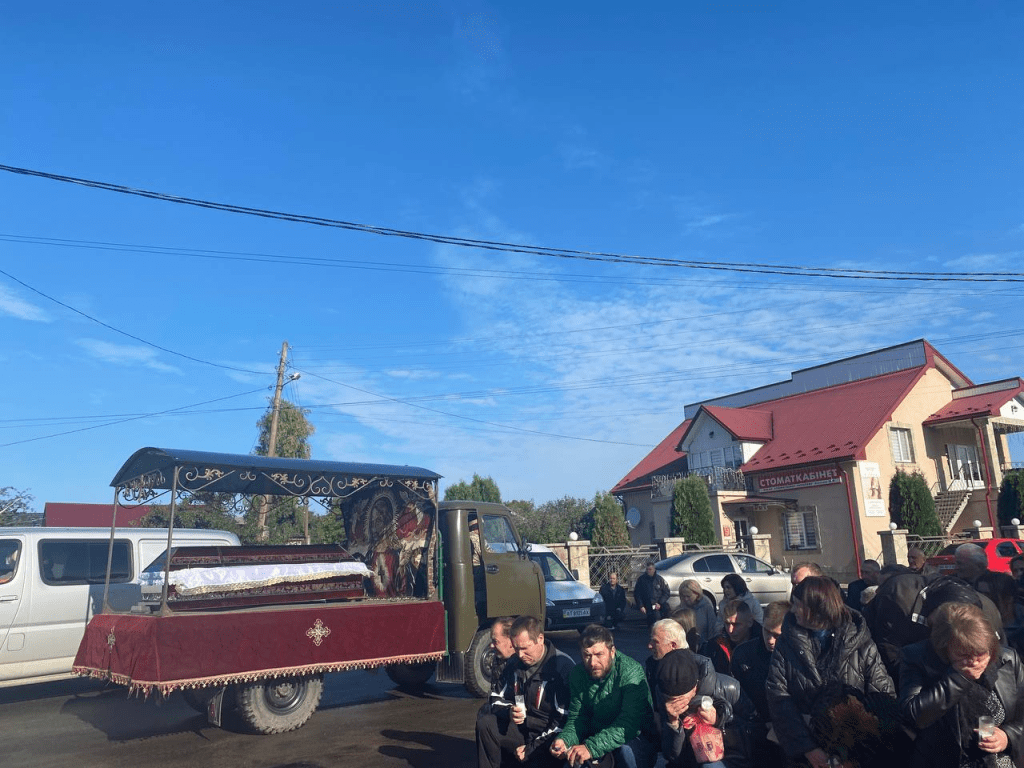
{"x": 628, "y": 562}
{"x": 932, "y": 545}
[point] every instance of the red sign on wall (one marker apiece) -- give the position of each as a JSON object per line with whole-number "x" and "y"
{"x": 798, "y": 478}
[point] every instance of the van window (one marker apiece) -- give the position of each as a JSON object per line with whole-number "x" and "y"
{"x": 10, "y": 553}
{"x": 83, "y": 562}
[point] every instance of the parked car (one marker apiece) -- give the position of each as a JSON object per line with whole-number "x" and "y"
{"x": 767, "y": 582}
{"x": 999, "y": 551}
{"x": 570, "y": 603}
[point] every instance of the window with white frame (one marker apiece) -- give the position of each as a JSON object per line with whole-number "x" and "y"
{"x": 902, "y": 447}
{"x": 801, "y": 529}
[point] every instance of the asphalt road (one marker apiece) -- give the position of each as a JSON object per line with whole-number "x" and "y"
{"x": 363, "y": 720}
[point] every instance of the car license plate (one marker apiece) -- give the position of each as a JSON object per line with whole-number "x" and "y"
{"x": 575, "y": 613}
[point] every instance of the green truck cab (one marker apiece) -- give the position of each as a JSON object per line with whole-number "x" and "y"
{"x": 505, "y": 583}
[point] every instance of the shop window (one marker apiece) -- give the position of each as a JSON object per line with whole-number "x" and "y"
{"x": 902, "y": 446}
{"x": 801, "y": 530}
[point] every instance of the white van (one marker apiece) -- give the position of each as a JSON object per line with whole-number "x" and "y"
{"x": 51, "y": 584}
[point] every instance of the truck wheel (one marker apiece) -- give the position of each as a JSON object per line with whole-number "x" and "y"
{"x": 279, "y": 705}
{"x": 478, "y": 664}
{"x": 411, "y": 675}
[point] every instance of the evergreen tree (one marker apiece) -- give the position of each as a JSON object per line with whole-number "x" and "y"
{"x": 911, "y": 505}
{"x": 691, "y": 511}
{"x": 480, "y": 489}
{"x": 1011, "y": 497}
{"x": 609, "y": 523}
{"x": 286, "y": 515}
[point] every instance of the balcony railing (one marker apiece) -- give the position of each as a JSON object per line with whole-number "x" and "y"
{"x": 717, "y": 479}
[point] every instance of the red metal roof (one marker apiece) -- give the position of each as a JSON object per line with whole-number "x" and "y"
{"x": 985, "y": 404}
{"x": 663, "y": 457}
{"x": 75, "y": 515}
{"x": 754, "y": 424}
{"x": 832, "y": 423}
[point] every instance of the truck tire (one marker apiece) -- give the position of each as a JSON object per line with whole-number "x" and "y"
{"x": 411, "y": 675}
{"x": 279, "y": 705}
{"x": 478, "y": 664}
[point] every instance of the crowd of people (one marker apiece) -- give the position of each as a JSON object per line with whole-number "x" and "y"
{"x": 904, "y": 667}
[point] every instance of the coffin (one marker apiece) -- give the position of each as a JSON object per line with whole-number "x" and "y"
{"x": 210, "y": 578}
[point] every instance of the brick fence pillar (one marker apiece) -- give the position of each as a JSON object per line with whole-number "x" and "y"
{"x": 579, "y": 558}
{"x": 894, "y": 546}
{"x": 670, "y": 547}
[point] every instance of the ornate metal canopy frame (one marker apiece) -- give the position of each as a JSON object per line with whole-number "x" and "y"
{"x": 151, "y": 471}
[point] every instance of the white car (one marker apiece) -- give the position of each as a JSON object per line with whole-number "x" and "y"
{"x": 570, "y": 603}
{"x": 767, "y": 582}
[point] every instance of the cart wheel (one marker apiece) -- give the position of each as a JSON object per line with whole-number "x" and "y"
{"x": 411, "y": 675}
{"x": 478, "y": 664}
{"x": 279, "y": 705}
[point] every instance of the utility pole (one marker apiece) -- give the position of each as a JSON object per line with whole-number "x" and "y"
{"x": 272, "y": 440}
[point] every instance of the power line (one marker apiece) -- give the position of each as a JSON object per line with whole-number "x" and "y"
{"x": 125, "y": 333}
{"x": 131, "y": 418}
{"x": 564, "y": 253}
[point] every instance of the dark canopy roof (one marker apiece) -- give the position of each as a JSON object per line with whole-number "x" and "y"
{"x": 242, "y": 473}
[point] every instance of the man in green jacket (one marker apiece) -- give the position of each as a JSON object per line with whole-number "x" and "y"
{"x": 611, "y": 720}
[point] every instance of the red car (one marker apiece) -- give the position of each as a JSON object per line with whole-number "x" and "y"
{"x": 999, "y": 551}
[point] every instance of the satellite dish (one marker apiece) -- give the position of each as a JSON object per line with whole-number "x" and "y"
{"x": 633, "y": 517}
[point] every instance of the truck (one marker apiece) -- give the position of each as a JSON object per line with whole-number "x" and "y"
{"x": 411, "y": 586}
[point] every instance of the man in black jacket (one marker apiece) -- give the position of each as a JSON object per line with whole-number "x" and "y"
{"x": 652, "y": 593}
{"x": 614, "y": 597}
{"x": 529, "y": 707}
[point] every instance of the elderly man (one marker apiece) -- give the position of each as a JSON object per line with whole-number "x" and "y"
{"x": 971, "y": 562}
{"x": 610, "y": 719}
{"x": 501, "y": 643}
{"x": 918, "y": 564}
{"x": 614, "y": 600}
{"x": 528, "y": 709}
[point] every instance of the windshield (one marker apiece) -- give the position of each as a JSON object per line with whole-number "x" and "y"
{"x": 551, "y": 566}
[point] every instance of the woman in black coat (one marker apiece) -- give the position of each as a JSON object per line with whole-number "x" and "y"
{"x": 961, "y": 673}
{"x": 823, "y": 645}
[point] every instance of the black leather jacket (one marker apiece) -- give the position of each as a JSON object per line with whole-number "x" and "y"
{"x": 799, "y": 669}
{"x": 930, "y": 690}
{"x": 546, "y": 691}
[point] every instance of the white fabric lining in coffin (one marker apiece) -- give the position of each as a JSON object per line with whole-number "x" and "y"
{"x": 197, "y": 581}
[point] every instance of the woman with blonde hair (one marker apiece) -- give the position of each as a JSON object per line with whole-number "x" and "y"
{"x": 692, "y": 596}
{"x": 962, "y": 690}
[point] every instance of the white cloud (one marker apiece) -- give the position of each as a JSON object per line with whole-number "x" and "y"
{"x": 985, "y": 262}
{"x": 13, "y": 305}
{"x": 127, "y": 355}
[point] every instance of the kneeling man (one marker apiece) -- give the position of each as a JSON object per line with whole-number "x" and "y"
{"x": 529, "y": 705}
{"x": 611, "y": 720}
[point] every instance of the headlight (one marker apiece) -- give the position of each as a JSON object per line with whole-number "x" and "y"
{"x": 549, "y": 603}
{"x": 598, "y": 599}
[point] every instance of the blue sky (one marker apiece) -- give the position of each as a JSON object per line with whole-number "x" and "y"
{"x": 883, "y": 136}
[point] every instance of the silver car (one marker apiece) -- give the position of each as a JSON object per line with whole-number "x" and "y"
{"x": 570, "y": 604}
{"x": 764, "y": 580}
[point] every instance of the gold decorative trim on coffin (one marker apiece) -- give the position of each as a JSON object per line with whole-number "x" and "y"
{"x": 146, "y": 687}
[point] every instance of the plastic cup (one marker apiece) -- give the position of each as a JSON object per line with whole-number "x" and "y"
{"x": 986, "y": 726}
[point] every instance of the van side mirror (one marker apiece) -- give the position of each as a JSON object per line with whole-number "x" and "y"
{"x": 576, "y": 573}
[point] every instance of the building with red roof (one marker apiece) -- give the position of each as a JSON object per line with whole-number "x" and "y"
{"x": 809, "y": 460}
{"x": 72, "y": 514}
